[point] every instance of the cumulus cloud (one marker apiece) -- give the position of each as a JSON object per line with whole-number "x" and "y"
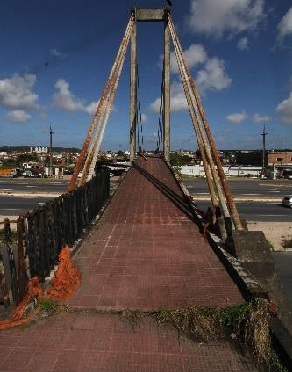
{"x": 257, "y": 118}
{"x": 214, "y": 17}
{"x": 18, "y": 116}
{"x": 17, "y": 92}
{"x": 64, "y": 99}
{"x": 242, "y": 43}
{"x": 177, "y": 99}
{"x": 285, "y": 26}
{"x": 194, "y": 55}
{"x": 237, "y": 117}
{"x": 284, "y": 109}
{"x": 213, "y": 76}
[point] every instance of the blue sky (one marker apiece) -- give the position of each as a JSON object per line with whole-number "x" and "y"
{"x": 56, "y": 57}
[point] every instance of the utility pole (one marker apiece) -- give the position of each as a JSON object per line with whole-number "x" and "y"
{"x": 51, "y": 151}
{"x": 264, "y": 133}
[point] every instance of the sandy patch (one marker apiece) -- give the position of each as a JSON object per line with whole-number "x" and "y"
{"x": 275, "y": 232}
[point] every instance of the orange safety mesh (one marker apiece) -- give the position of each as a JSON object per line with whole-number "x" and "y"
{"x": 67, "y": 278}
{"x": 66, "y": 281}
{"x": 34, "y": 291}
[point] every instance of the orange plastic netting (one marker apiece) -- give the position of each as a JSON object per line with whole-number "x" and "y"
{"x": 65, "y": 283}
{"x": 67, "y": 278}
{"x": 34, "y": 291}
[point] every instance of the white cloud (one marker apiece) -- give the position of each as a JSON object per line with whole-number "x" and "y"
{"x": 214, "y": 17}
{"x": 16, "y": 92}
{"x": 213, "y": 76}
{"x": 155, "y": 106}
{"x": 143, "y": 118}
{"x": 257, "y": 118}
{"x": 177, "y": 99}
{"x": 195, "y": 55}
{"x": 91, "y": 108}
{"x": 284, "y": 109}
{"x": 65, "y": 100}
{"x": 285, "y": 26}
{"x": 237, "y": 118}
{"x": 57, "y": 54}
{"x": 18, "y": 116}
{"x": 242, "y": 43}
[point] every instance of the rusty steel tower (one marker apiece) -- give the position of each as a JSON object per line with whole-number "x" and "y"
{"x": 150, "y": 15}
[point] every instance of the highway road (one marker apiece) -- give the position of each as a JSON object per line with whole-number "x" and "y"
{"x": 256, "y": 200}
{"x": 18, "y": 195}
{"x": 247, "y": 188}
{"x": 267, "y": 196}
{"x": 43, "y": 185}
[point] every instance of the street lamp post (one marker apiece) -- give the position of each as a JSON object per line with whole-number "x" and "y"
{"x": 51, "y": 151}
{"x": 264, "y": 133}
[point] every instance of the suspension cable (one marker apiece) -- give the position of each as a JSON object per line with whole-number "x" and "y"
{"x": 100, "y": 107}
{"x": 204, "y": 124}
{"x": 95, "y": 145}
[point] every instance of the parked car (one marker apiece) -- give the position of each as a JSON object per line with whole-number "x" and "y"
{"x": 287, "y": 201}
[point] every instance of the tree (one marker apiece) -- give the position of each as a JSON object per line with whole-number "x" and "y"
{"x": 177, "y": 159}
{"x": 26, "y": 157}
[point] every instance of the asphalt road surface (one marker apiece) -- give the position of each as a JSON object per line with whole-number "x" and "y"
{"x": 266, "y": 196}
{"x": 248, "y": 188}
{"x": 256, "y": 200}
{"x": 32, "y": 184}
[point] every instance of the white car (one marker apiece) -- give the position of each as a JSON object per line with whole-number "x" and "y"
{"x": 287, "y": 201}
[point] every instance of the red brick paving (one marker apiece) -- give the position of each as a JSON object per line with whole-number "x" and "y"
{"x": 107, "y": 343}
{"x": 145, "y": 253}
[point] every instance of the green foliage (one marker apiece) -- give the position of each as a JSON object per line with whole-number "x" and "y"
{"x": 250, "y": 158}
{"x": 179, "y": 159}
{"x": 232, "y": 316}
{"x": 121, "y": 154}
{"x": 47, "y": 306}
{"x": 13, "y": 235}
{"x": 25, "y": 157}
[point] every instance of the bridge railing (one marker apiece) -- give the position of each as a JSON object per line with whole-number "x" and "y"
{"x": 42, "y": 232}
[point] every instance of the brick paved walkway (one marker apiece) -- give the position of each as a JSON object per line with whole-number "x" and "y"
{"x": 145, "y": 253}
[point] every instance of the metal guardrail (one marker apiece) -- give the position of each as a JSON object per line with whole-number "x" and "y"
{"x": 42, "y": 232}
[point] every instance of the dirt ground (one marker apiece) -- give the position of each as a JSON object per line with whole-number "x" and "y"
{"x": 275, "y": 232}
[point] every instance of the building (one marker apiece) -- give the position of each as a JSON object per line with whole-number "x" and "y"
{"x": 281, "y": 163}
{"x": 280, "y": 159}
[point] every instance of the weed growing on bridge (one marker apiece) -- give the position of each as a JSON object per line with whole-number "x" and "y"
{"x": 132, "y": 316}
{"x": 247, "y": 323}
{"x": 199, "y": 323}
{"x": 47, "y": 306}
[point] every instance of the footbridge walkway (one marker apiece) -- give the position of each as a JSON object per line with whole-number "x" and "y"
{"x": 144, "y": 260}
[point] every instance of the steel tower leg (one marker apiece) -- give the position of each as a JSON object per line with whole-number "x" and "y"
{"x": 166, "y": 92}
{"x": 133, "y": 90}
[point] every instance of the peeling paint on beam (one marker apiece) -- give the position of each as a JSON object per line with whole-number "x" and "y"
{"x": 150, "y": 15}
